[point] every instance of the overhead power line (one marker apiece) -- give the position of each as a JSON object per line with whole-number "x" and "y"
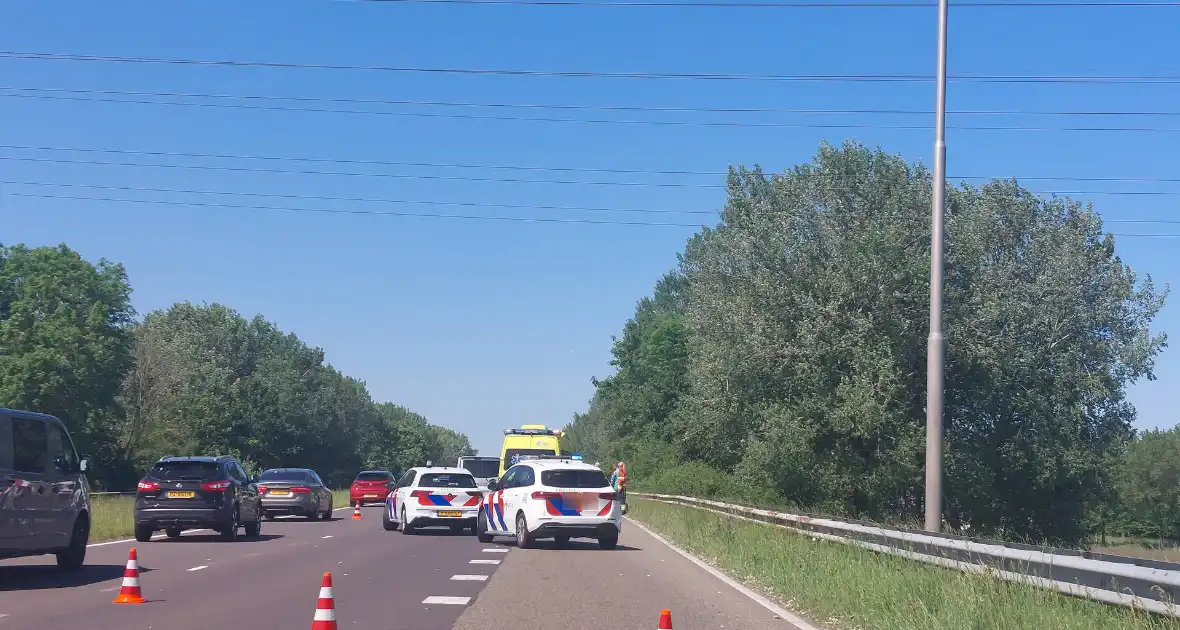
{"x": 690, "y": 123}
{"x": 886, "y": 78}
{"x": 327, "y": 211}
{"x": 796, "y": 5}
{"x": 511, "y": 167}
{"x": 577, "y": 107}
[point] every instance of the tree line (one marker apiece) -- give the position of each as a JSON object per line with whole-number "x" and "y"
{"x": 783, "y": 360}
{"x": 187, "y": 380}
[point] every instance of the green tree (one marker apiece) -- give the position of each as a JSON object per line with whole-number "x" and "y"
{"x": 64, "y": 340}
{"x": 1148, "y": 485}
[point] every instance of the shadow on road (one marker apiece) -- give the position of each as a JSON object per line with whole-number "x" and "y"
{"x": 37, "y": 577}
{"x": 211, "y": 538}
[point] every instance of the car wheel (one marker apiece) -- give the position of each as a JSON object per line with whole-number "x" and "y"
{"x": 608, "y": 541}
{"x": 481, "y": 528}
{"x": 406, "y": 529}
{"x": 329, "y": 512}
{"x": 173, "y": 532}
{"x": 314, "y": 514}
{"x": 524, "y": 538}
{"x": 254, "y": 530}
{"x": 143, "y": 533}
{"x": 561, "y": 541}
{"x": 229, "y": 533}
{"x": 387, "y": 522}
{"x": 75, "y": 555}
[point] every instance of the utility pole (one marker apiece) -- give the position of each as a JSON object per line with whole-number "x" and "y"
{"x": 934, "y": 351}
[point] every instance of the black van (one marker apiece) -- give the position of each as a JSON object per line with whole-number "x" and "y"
{"x": 44, "y": 496}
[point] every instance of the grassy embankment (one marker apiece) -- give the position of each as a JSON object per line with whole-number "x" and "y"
{"x": 846, "y": 587}
{"x": 113, "y": 515}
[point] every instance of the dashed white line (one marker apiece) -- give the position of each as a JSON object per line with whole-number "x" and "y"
{"x": 328, "y": 536}
{"x": 198, "y": 568}
{"x": 484, "y": 562}
{"x": 495, "y": 550}
{"x": 470, "y": 578}
{"x": 451, "y": 601}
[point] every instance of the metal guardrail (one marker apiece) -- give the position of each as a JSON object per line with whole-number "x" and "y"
{"x": 1139, "y": 583}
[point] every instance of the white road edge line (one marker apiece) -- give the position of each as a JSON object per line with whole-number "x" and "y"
{"x": 783, "y": 613}
{"x": 452, "y": 601}
{"x": 483, "y": 562}
{"x": 198, "y": 568}
{"x": 470, "y": 578}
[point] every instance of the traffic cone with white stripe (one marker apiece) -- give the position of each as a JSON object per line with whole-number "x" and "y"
{"x": 356, "y": 512}
{"x": 665, "y": 620}
{"x": 130, "y": 593}
{"x": 325, "y": 607}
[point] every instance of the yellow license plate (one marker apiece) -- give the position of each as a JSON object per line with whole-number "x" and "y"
{"x": 370, "y": 496}
{"x": 280, "y": 493}
{"x": 450, "y": 514}
{"x": 181, "y": 495}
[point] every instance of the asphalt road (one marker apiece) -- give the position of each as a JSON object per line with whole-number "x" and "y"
{"x": 197, "y": 582}
{"x": 382, "y": 581}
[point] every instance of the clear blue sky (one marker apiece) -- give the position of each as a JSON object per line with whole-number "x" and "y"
{"x": 481, "y": 325}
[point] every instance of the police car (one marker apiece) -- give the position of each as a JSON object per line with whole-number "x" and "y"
{"x": 551, "y": 496}
{"x": 433, "y": 496}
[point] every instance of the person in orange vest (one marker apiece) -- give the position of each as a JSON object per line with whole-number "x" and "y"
{"x": 618, "y": 481}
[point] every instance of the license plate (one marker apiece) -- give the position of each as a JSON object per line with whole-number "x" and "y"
{"x": 370, "y": 496}
{"x": 181, "y": 495}
{"x": 280, "y": 493}
{"x": 580, "y": 501}
{"x": 450, "y": 514}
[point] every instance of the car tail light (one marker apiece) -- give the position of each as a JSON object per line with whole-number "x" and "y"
{"x": 147, "y": 486}
{"x": 301, "y": 490}
{"x": 215, "y": 486}
{"x": 262, "y": 489}
{"x": 608, "y": 495}
{"x": 546, "y": 495}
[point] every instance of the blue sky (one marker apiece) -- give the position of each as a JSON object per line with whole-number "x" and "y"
{"x": 481, "y": 325}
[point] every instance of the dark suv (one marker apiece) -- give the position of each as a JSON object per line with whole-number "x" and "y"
{"x": 181, "y": 493}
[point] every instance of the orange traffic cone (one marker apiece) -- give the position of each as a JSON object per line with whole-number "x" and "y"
{"x": 356, "y": 512}
{"x": 325, "y": 607}
{"x": 130, "y": 593}
{"x": 665, "y": 620}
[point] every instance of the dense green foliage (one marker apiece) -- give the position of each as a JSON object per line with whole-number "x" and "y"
{"x": 187, "y": 380}
{"x": 785, "y": 359}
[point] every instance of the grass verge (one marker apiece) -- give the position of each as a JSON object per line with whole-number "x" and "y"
{"x": 113, "y": 516}
{"x": 847, "y": 587}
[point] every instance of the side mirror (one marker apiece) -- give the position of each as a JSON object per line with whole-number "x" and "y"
{"x": 391, "y": 485}
{"x": 493, "y": 485}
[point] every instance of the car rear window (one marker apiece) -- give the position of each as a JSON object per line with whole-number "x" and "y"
{"x": 574, "y": 479}
{"x": 447, "y": 480}
{"x": 286, "y": 475}
{"x": 185, "y": 470}
{"x": 482, "y": 467}
{"x": 375, "y": 476}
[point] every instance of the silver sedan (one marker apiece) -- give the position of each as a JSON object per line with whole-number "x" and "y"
{"x": 298, "y": 491}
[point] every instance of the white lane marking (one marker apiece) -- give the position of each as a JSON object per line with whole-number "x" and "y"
{"x": 495, "y": 550}
{"x": 484, "y": 562}
{"x": 783, "y": 613}
{"x": 198, "y": 568}
{"x": 452, "y": 601}
{"x": 328, "y": 536}
{"x": 470, "y": 578}
{"x": 107, "y": 590}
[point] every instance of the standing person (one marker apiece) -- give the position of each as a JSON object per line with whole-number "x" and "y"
{"x": 618, "y": 481}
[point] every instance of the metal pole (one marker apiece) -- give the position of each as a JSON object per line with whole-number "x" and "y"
{"x": 934, "y": 352}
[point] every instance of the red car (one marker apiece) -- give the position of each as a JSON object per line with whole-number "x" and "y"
{"x": 370, "y": 486}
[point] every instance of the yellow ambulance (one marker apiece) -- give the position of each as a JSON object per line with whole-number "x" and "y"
{"x": 531, "y": 439}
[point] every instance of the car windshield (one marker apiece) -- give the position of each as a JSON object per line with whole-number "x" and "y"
{"x": 286, "y": 475}
{"x": 484, "y": 468}
{"x": 184, "y": 470}
{"x": 512, "y": 455}
{"x": 574, "y": 479}
{"x": 375, "y": 476}
{"x": 447, "y": 480}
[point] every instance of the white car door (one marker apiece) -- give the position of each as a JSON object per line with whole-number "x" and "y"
{"x": 517, "y": 496}
{"x": 499, "y": 502}
{"x": 404, "y": 487}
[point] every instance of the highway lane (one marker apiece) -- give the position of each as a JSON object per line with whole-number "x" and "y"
{"x": 381, "y": 580}
{"x": 585, "y": 587}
